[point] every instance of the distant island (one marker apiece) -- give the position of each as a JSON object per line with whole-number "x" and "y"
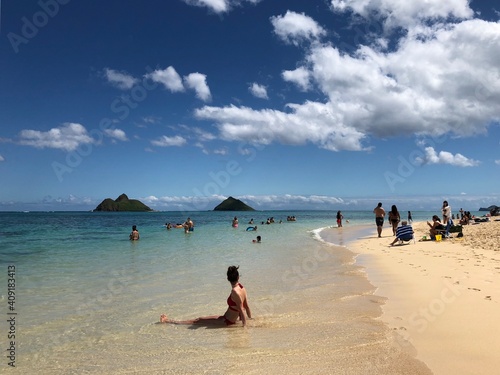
{"x": 232, "y": 204}
{"x": 122, "y": 203}
{"x": 494, "y": 210}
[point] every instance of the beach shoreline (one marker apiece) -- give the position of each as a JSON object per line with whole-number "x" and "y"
{"x": 441, "y": 297}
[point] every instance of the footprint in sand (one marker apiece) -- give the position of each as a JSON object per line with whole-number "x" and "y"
{"x": 487, "y": 298}
{"x": 476, "y": 289}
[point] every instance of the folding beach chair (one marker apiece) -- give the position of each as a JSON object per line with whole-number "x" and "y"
{"x": 406, "y": 240}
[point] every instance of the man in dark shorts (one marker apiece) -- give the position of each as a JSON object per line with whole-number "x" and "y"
{"x": 379, "y": 218}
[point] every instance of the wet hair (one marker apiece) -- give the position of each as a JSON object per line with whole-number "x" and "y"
{"x": 232, "y": 274}
{"x": 134, "y": 227}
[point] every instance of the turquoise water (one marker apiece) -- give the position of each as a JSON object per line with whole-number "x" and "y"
{"x": 87, "y": 298}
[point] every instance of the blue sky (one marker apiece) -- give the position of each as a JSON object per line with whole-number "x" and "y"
{"x": 310, "y": 104}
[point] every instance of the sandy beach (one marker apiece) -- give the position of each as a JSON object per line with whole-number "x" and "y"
{"x": 442, "y": 297}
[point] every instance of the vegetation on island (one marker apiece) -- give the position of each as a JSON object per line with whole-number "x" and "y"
{"x": 233, "y": 204}
{"x": 122, "y": 203}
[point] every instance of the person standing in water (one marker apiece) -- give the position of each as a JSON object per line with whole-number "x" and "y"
{"x": 339, "y": 218}
{"x": 134, "y": 235}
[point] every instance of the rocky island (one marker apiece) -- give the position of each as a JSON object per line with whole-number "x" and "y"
{"x": 232, "y": 204}
{"x": 122, "y": 203}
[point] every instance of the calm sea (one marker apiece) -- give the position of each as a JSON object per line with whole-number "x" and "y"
{"x": 86, "y": 298}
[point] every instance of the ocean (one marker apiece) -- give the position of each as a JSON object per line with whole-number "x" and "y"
{"x": 77, "y": 297}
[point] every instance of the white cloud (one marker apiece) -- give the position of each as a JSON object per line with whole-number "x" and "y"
{"x": 121, "y": 80}
{"x": 295, "y": 27}
{"x": 258, "y": 91}
{"x": 445, "y": 79}
{"x": 168, "y": 78}
{"x": 311, "y": 122}
{"x": 444, "y": 157}
{"x": 2, "y": 158}
{"x": 117, "y": 134}
{"x": 497, "y": 162}
{"x": 218, "y": 6}
{"x": 299, "y": 76}
{"x": 198, "y": 82}
{"x": 165, "y": 141}
{"x": 67, "y": 137}
{"x": 405, "y": 13}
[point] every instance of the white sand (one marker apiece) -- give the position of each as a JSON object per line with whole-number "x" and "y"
{"x": 443, "y": 297}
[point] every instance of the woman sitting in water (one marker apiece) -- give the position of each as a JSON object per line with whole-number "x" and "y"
{"x": 237, "y": 305}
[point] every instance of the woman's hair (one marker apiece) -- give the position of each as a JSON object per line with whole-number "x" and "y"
{"x": 435, "y": 217}
{"x": 232, "y": 274}
{"x": 394, "y": 209}
{"x": 338, "y": 214}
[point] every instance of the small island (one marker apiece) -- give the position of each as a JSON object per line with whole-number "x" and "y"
{"x": 493, "y": 209}
{"x": 122, "y": 203}
{"x": 232, "y": 204}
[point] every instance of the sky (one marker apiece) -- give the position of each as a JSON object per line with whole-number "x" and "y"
{"x": 297, "y": 104}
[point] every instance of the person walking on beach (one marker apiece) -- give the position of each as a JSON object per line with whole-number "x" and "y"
{"x": 410, "y": 218}
{"x": 339, "y": 219}
{"x": 237, "y": 306}
{"x": 134, "y": 235}
{"x": 379, "y": 218}
{"x": 394, "y": 218}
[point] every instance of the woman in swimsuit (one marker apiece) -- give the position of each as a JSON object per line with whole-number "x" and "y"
{"x": 394, "y": 218}
{"x": 237, "y": 305}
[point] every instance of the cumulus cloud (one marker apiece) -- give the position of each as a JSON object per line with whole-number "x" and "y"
{"x": 441, "y": 78}
{"x": 165, "y": 141}
{"x": 259, "y": 91}
{"x": 444, "y": 157}
{"x": 299, "y": 76}
{"x": 295, "y": 27}
{"x": 117, "y": 134}
{"x": 66, "y": 137}
{"x": 198, "y": 83}
{"x": 395, "y": 13}
{"x": 121, "y": 80}
{"x": 311, "y": 122}
{"x": 168, "y": 77}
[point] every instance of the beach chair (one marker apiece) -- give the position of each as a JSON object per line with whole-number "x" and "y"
{"x": 402, "y": 241}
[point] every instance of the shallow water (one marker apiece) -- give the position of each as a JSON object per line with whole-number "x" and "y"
{"x": 87, "y": 298}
